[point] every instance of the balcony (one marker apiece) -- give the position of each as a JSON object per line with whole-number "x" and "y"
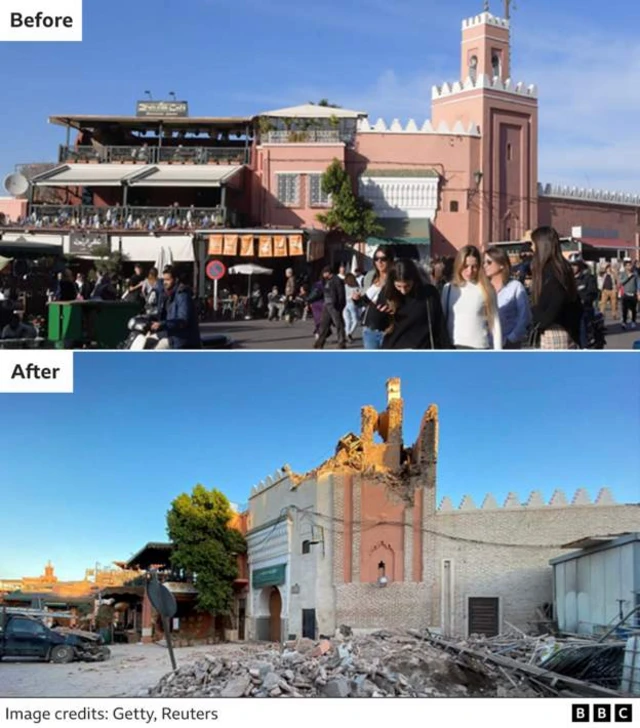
{"x": 309, "y": 136}
{"x": 121, "y": 218}
{"x": 152, "y": 155}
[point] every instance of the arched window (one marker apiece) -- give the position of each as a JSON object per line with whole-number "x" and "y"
{"x": 496, "y": 65}
{"x": 473, "y": 68}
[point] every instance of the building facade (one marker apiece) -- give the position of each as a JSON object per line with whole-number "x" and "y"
{"x": 250, "y": 187}
{"x": 363, "y": 541}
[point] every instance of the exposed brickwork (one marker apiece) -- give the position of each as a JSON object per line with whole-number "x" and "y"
{"x": 337, "y": 529}
{"x": 357, "y": 520}
{"x": 408, "y": 545}
{"x": 367, "y": 606}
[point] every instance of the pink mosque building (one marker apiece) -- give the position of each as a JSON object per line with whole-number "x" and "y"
{"x": 467, "y": 175}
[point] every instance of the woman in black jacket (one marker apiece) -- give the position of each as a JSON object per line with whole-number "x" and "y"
{"x": 557, "y": 310}
{"x": 416, "y": 320}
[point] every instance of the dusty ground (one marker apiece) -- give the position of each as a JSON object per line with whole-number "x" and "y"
{"x": 131, "y": 669}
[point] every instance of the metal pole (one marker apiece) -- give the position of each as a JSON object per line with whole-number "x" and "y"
{"x": 167, "y": 634}
{"x": 619, "y": 624}
{"x": 215, "y": 296}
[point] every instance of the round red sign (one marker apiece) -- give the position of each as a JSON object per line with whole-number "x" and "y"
{"x": 215, "y": 270}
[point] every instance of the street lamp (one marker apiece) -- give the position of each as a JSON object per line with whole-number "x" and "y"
{"x": 477, "y": 178}
{"x": 382, "y": 577}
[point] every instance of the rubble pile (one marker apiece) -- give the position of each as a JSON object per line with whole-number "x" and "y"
{"x": 382, "y": 664}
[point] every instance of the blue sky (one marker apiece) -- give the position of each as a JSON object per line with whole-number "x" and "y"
{"x": 89, "y": 477}
{"x": 383, "y": 57}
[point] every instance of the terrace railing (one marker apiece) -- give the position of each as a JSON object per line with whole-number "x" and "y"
{"x": 309, "y": 136}
{"x": 130, "y": 217}
{"x": 152, "y": 155}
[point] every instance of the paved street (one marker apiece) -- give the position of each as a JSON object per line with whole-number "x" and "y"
{"x": 277, "y": 335}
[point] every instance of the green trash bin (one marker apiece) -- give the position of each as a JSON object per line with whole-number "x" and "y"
{"x": 80, "y": 324}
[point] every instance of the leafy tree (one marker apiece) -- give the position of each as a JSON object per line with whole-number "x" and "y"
{"x": 351, "y": 214}
{"x": 205, "y": 546}
{"x": 325, "y": 102}
{"x": 108, "y": 261}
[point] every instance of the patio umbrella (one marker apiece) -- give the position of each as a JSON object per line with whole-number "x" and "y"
{"x": 161, "y": 260}
{"x": 250, "y": 269}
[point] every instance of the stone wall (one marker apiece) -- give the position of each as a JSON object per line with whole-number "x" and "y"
{"x": 505, "y": 552}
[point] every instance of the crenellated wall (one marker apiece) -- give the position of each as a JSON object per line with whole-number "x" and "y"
{"x": 396, "y": 127}
{"x": 484, "y": 82}
{"x": 535, "y": 500}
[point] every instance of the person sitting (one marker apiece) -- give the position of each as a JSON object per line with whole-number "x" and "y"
{"x": 16, "y": 329}
{"x": 178, "y": 316}
{"x": 275, "y": 304}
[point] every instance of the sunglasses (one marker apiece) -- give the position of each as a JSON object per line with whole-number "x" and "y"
{"x": 381, "y": 258}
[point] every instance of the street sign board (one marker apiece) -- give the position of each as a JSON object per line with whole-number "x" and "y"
{"x": 215, "y": 270}
{"x": 162, "y": 599}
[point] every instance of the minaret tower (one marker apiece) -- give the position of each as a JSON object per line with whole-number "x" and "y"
{"x": 502, "y": 174}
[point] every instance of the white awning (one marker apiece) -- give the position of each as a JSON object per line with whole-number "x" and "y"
{"x": 145, "y": 248}
{"x": 184, "y": 175}
{"x": 314, "y": 111}
{"x": 86, "y": 175}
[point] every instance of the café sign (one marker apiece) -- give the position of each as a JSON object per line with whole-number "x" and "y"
{"x": 163, "y": 109}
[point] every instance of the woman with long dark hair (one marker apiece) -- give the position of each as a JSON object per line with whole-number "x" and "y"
{"x": 557, "y": 310}
{"x": 415, "y": 318}
{"x": 375, "y": 322}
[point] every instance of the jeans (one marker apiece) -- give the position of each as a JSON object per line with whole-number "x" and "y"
{"x": 372, "y": 339}
{"x": 350, "y": 318}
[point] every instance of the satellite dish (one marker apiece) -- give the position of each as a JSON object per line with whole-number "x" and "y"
{"x": 16, "y": 184}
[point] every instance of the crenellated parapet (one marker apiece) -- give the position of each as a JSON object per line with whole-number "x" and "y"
{"x": 485, "y": 19}
{"x": 535, "y": 500}
{"x": 589, "y": 194}
{"x": 483, "y": 81}
{"x": 271, "y": 480}
{"x": 396, "y": 127}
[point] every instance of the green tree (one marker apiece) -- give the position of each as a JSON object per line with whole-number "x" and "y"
{"x": 109, "y": 261}
{"x": 205, "y": 546}
{"x": 325, "y": 102}
{"x": 349, "y": 213}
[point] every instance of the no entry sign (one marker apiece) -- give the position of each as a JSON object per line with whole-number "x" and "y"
{"x": 215, "y": 270}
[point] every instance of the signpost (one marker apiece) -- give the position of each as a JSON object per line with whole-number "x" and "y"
{"x": 164, "y": 603}
{"x": 215, "y": 270}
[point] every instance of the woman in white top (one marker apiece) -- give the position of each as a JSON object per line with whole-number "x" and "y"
{"x": 375, "y": 322}
{"x": 470, "y": 305}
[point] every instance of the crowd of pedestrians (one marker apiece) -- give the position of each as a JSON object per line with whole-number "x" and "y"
{"x": 476, "y": 301}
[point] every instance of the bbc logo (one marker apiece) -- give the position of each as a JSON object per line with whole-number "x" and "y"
{"x": 601, "y": 713}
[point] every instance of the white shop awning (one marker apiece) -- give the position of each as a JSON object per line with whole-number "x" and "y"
{"x": 86, "y": 175}
{"x": 184, "y": 175}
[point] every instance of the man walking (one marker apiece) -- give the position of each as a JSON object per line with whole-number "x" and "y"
{"x": 629, "y": 291}
{"x": 334, "y": 303}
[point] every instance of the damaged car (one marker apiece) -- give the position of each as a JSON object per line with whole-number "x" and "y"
{"x": 24, "y": 636}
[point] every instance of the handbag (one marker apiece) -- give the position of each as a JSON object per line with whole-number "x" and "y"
{"x": 533, "y": 340}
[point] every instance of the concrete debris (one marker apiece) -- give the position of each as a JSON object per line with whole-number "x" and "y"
{"x": 381, "y": 664}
